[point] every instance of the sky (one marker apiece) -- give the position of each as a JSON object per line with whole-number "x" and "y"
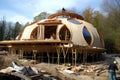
{"x": 24, "y": 11}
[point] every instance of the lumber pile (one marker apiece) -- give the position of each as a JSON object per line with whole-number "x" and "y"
{"x": 86, "y": 68}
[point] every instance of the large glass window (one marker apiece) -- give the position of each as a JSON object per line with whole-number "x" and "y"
{"x": 87, "y": 35}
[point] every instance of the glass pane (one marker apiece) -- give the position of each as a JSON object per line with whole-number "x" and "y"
{"x": 87, "y": 35}
{"x": 74, "y": 21}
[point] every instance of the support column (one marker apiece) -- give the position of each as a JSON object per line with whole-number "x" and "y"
{"x": 13, "y": 51}
{"x": 9, "y": 47}
{"x": 74, "y": 56}
{"x": 48, "y": 57}
{"x": 64, "y": 53}
{"x": 21, "y": 54}
{"x": 42, "y": 57}
{"x": 58, "y": 54}
{"x": 34, "y": 54}
{"x": 52, "y": 57}
{"x": 84, "y": 57}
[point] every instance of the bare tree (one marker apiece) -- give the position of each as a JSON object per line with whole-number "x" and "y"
{"x": 2, "y": 28}
{"x": 42, "y": 15}
{"x": 88, "y": 14}
{"x": 112, "y": 8}
{"x": 111, "y": 5}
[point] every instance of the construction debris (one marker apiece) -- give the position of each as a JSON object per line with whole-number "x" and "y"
{"x": 27, "y": 73}
{"x": 86, "y": 68}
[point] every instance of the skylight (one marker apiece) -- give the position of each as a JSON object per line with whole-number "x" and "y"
{"x": 74, "y": 21}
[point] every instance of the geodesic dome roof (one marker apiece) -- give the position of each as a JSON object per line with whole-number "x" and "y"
{"x": 66, "y": 26}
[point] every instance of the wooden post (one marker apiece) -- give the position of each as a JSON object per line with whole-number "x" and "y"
{"x": 14, "y": 51}
{"x": 48, "y": 57}
{"x": 21, "y": 54}
{"x": 74, "y": 56}
{"x": 42, "y": 57}
{"x": 58, "y": 54}
{"x": 52, "y": 57}
{"x": 84, "y": 57}
{"x": 64, "y": 53}
{"x": 9, "y": 47}
{"x": 68, "y": 58}
{"x": 34, "y": 54}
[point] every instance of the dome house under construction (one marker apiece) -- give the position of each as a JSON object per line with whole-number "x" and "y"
{"x": 63, "y": 37}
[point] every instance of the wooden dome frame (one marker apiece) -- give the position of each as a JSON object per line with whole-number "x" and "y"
{"x": 70, "y": 14}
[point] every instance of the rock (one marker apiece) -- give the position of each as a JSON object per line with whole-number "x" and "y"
{"x": 7, "y": 70}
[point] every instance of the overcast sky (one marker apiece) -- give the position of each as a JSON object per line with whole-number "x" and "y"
{"x": 24, "y": 10}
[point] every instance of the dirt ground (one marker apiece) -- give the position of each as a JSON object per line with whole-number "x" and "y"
{"x": 53, "y": 69}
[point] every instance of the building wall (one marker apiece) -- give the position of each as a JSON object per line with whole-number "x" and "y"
{"x": 76, "y": 31}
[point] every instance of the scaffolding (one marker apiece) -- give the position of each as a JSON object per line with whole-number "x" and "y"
{"x": 52, "y": 50}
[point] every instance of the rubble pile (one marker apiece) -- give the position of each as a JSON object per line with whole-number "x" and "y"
{"x": 84, "y": 68}
{"x": 26, "y": 73}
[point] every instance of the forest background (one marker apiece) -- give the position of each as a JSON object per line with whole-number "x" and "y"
{"x": 107, "y": 23}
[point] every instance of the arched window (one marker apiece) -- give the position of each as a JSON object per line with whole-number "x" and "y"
{"x": 34, "y": 34}
{"x": 87, "y": 35}
{"x": 64, "y": 34}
